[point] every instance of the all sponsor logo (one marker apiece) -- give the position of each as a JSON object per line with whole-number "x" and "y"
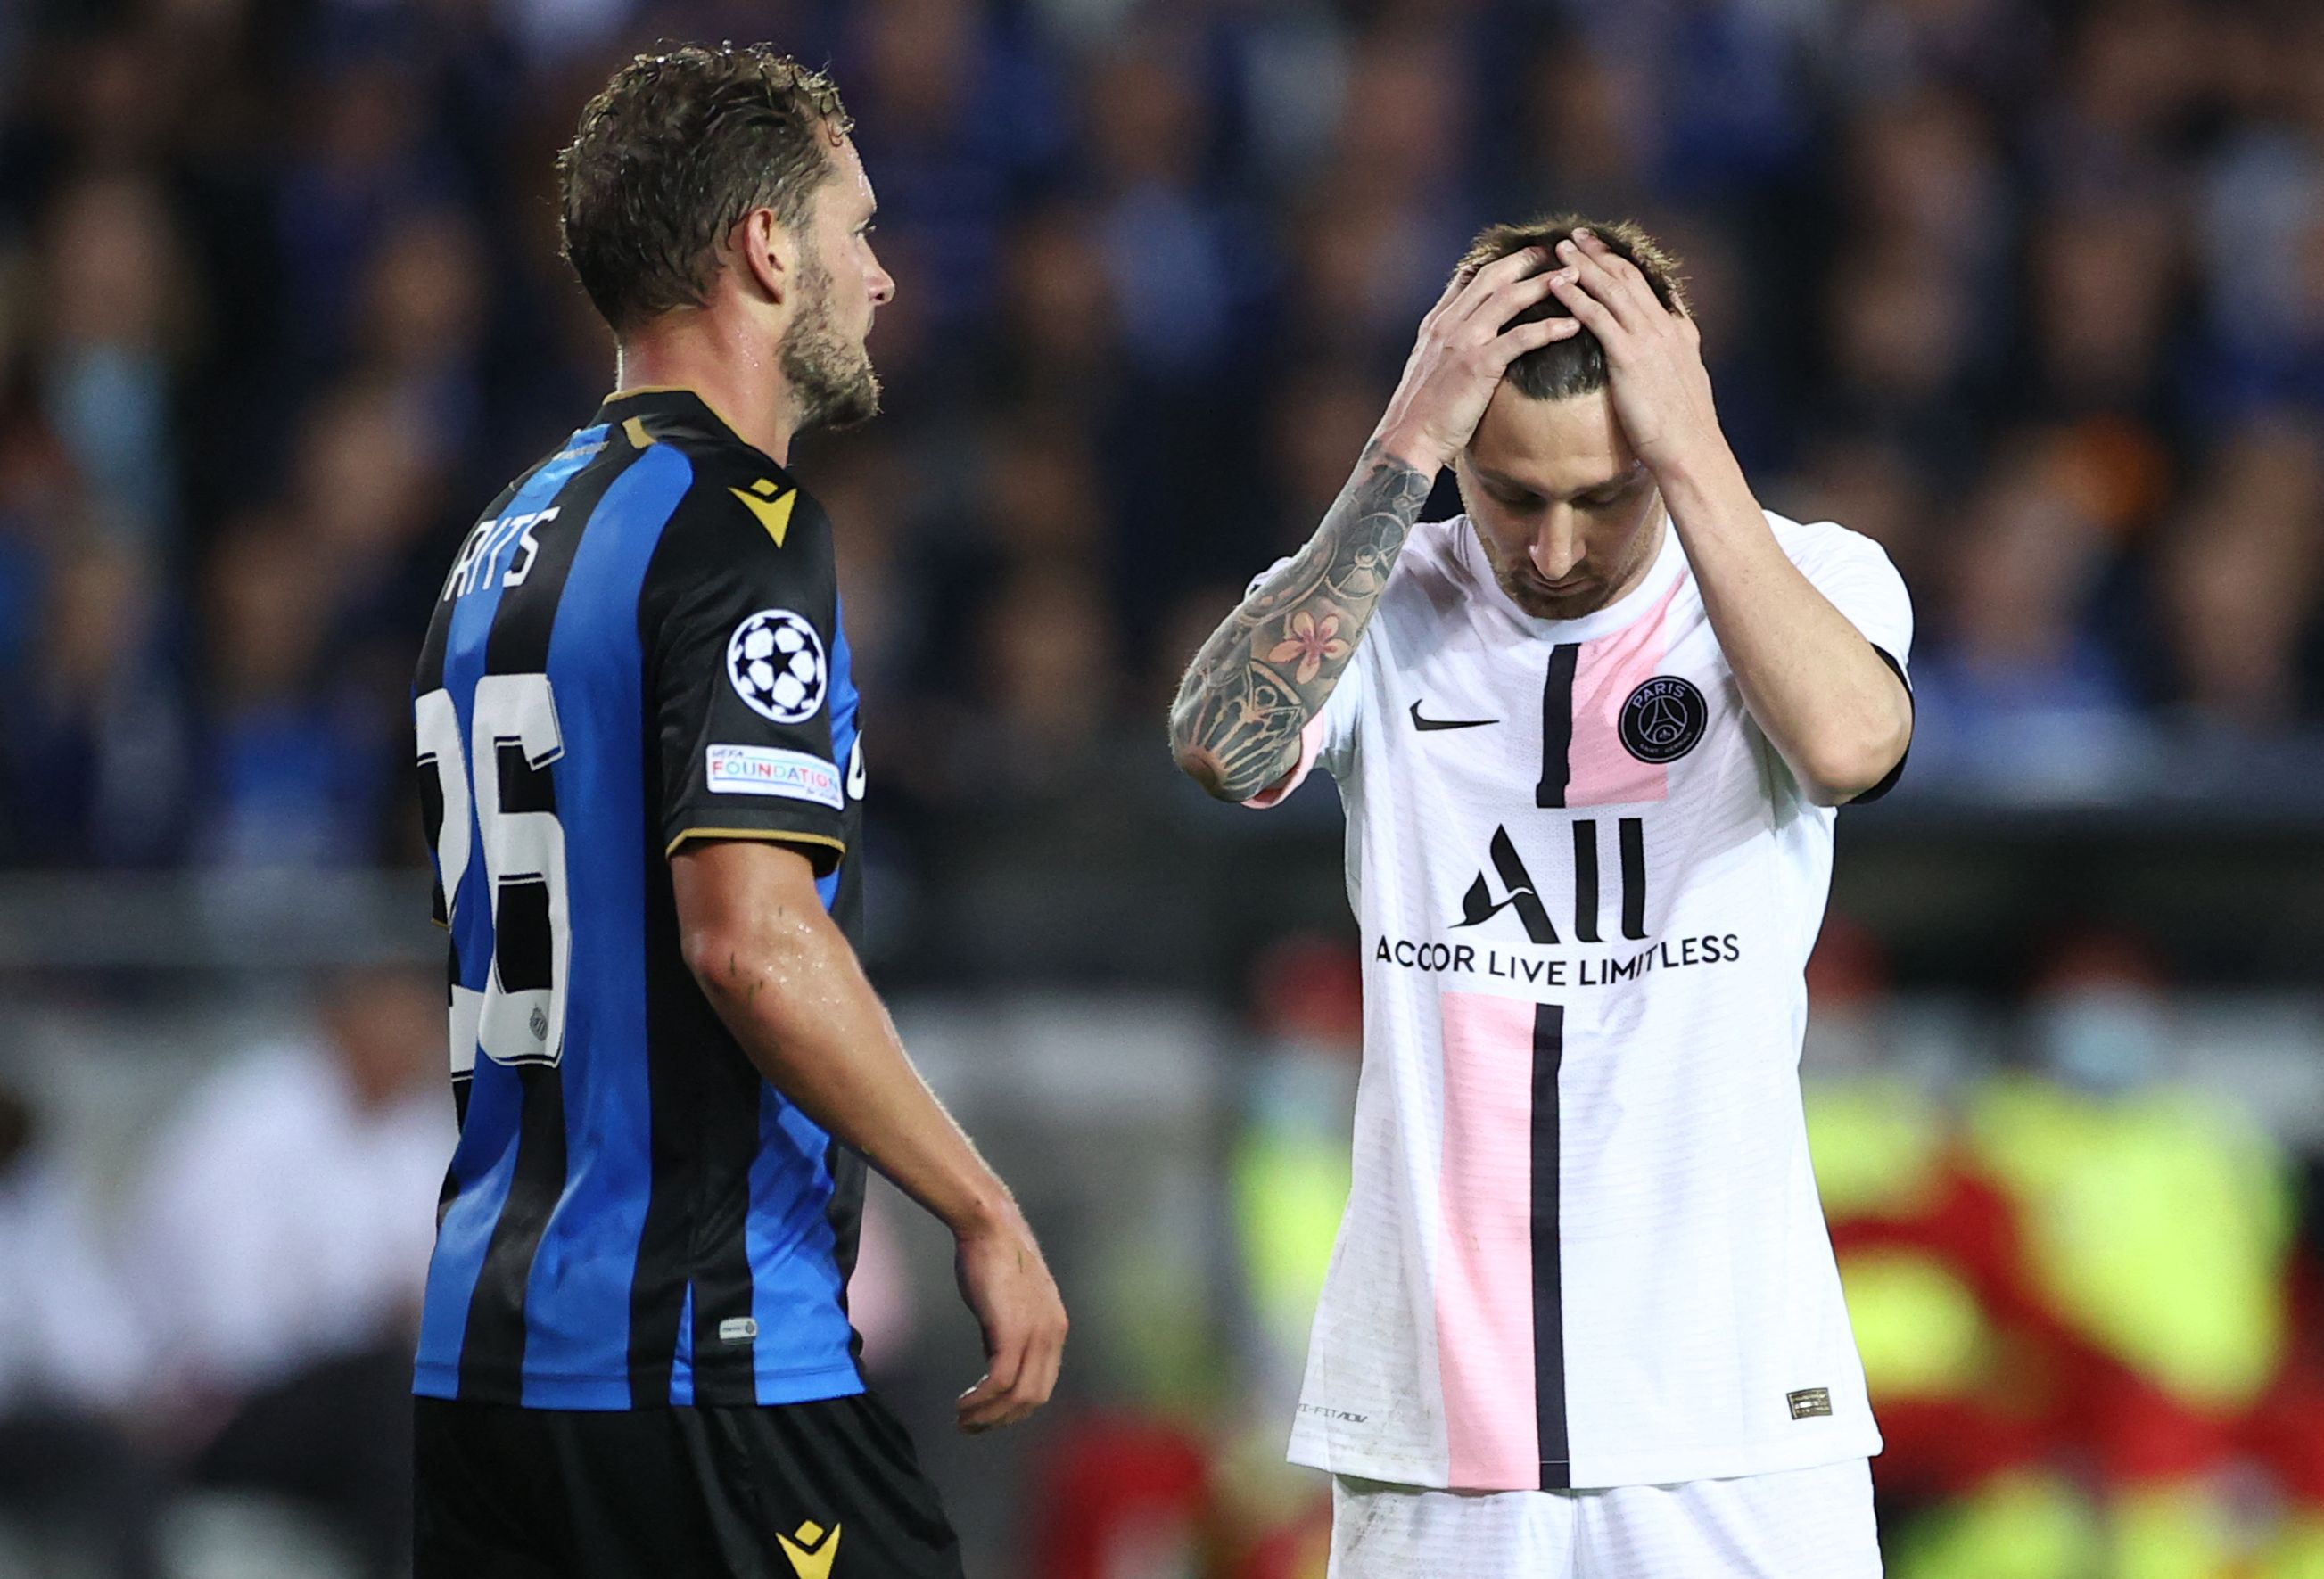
{"x": 1505, "y": 898}
{"x": 1518, "y": 894}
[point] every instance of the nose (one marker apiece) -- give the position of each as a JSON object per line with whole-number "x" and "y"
{"x": 884, "y": 286}
{"x": 1556, "y": 548}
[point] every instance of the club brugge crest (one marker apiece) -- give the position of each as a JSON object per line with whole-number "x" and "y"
{"x": 1662, "y": 720}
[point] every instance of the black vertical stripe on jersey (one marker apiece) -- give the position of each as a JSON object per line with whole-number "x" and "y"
{"x": 658, "y": 1283}
{"x": 492, "y": 1347}
{"x": 703, "y": 1097}
{"x": 461, "y": 1084}
{"x": 1633, "y": 831}
{"x": 845, "y": 1213}
{"x": 1548, "y": 1295}
{"x": 1585, "y": 880}
{"x": 725, "y": 1124}
{"x": 701, "y": 1100}
{"x": 1557, "y": 726}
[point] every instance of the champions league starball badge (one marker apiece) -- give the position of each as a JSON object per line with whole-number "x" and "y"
{"x": 1662, "y": 720}
{"x": 775, "y": 661}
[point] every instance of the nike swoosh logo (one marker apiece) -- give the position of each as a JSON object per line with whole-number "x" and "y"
{"x": 774, "y": 514}
{"x": 1426, "y": 724}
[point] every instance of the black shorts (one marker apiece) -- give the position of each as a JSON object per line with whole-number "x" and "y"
{"x": 829, "y": 1489}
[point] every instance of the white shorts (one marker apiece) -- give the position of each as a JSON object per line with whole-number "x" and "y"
{"x": 1801, "y": 1524}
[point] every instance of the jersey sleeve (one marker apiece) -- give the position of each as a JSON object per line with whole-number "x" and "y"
{"x": 740, "y": 625}
{"x": 1856, "y": 575}
{"x": 1329, "y": 737}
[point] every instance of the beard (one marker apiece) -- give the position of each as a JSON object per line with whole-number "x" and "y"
{"x": 831, "y": 381}
{"x": 1519, "y": 579}
{"x": 1544, "y": 605}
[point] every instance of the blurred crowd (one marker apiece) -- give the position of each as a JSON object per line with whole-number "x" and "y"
{"x": 2034, "y": 293}
{"x": 205, "y": 1334}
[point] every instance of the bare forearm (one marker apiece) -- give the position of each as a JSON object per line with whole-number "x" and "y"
{"x": 1268, "y": 670}
{"x": 1837, "y": 713}
{"x": 793, "y": 995}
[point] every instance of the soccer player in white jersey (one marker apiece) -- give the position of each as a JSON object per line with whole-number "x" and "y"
{"x": 1582, "y": 1318}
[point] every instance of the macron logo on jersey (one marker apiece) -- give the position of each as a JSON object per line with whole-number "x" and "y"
{"x": 768, "y": 770}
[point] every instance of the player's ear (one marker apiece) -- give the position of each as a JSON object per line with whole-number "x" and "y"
{"x": 766, "y": 256}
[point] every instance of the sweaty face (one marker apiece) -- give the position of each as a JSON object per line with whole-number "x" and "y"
{"x": 1568, "y": 517}
{"x": 841, "y": 284}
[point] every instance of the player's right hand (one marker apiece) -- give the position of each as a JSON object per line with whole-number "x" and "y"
{"x": 1462, "y": 352}
{"x": 1007, "y": 1284}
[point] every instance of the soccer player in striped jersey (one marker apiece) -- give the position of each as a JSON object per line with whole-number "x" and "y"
{"x": 1583, "y": 1318}
{"x": 643, "y": 768}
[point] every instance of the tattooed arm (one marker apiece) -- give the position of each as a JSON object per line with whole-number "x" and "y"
{"x": 1265, "y": 672}
{"x": 1269, "y": 669}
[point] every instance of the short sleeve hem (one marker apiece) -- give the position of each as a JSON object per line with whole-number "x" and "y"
{"x": 824, "y": 851}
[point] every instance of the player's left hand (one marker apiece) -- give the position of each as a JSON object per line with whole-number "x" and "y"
{"x": 1655, "y": 377}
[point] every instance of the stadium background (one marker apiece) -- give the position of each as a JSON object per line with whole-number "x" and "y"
{"x": 2032, "y": 293}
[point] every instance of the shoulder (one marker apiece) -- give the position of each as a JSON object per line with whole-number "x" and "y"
{"x": 1434, "y": 572}
{"x": 1438, "y": 543}
{"x": 1437, "y": 551}
{"x": 1815, "y": 545}
{"x": 739, "y": 516}
{"x": 735, "y": 495}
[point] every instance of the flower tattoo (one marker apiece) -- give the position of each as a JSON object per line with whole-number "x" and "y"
{"x": 1313, "y": 642}
{"x": 1266, "y": 672}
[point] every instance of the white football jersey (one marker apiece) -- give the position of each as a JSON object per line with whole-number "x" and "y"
{"x": 1583, "y": 1247}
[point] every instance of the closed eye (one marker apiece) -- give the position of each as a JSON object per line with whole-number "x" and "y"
{"x": 1607, "y": 497}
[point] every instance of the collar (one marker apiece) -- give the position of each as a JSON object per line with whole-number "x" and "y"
{"x": 671, "y": 411}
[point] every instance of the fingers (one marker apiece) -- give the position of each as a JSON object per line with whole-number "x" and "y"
{"x": 1512, "y": 344}
{"x": 1039, "y": 1379}
{"x": 991, "y": 1401}
{"x": 1591, "y": 312}
{"x": 992, "y": 1404}
{"x": 1503, "y": 277}
{"x": 1613, "y": 279}
{"x": 1020, "y": 1378}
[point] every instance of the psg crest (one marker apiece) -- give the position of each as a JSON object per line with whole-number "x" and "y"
{"x": 775, "y": 660}
{"x": 1662, "y": 720}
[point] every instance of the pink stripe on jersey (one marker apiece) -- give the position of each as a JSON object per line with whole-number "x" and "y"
{"x": 1601, "y": 771}
{"x": 1484, "y": 1267}
{"x": 1311, "y": 746}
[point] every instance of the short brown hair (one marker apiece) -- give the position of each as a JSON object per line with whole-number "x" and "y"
{"x": 672, "y": 154}
{"x": 1576, "y": 365}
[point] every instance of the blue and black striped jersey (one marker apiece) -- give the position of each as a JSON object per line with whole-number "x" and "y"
{"x": 638, "y": 643}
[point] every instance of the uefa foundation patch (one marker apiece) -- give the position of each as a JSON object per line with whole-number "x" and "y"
{"x": 768, "y": 770}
